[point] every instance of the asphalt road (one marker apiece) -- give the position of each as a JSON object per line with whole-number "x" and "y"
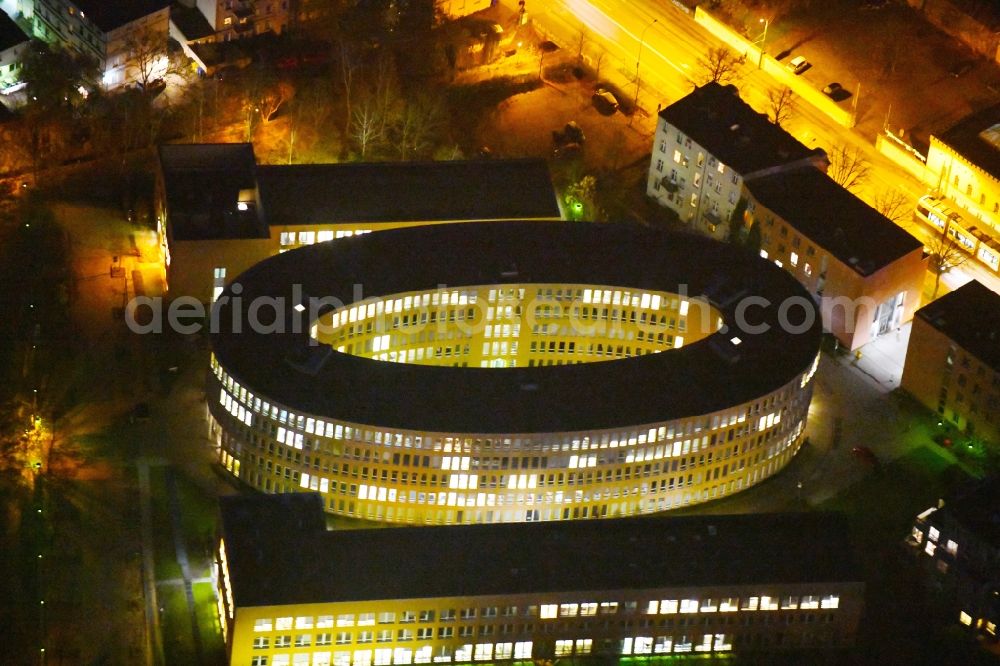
{"x": 666, "y": 44}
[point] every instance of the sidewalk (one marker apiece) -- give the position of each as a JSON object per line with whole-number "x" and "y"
{"x": 881, "y": 360}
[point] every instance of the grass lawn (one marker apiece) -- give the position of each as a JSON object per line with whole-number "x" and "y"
{"x": 164, "y": 551}
{"x": 175, "y": 625}
{"x": 208, "y": 623}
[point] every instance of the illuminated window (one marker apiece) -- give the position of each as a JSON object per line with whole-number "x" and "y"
{"x": 768, "y": 603}
{"x": 262, "y": 624}
{"x": 568, "y": 610}
{"x": 793, "y": 258}
{"x": 708, "y": 606}
{"x": 933, "y": 534}
{"x": 346, "y": 620}
{"x": 609, "y": 607}
{"x": 951, "y": 547}
{"x": 522, "y": 650}
{"x": 549, "y": 611}
{"x": 763, "y": 254}
{"x": 366, "y": 619}
{"x": 386, "y": 617}
{"x": 689, "y": 605}
{"x": 304, "y": 622}
{"x": 283, "y": 623}
{"x": 584, "y": 646}
{"x": 642, "y": 645}
{"x": 564, "y": 648}
{"x": 789, "y": 603}
{"x": 930, "y": 548}
{"x": 809, "y": 602}
{"x": 830, "y": 601}
{"x": 588, "y": 609}
{"x": 965, "y": 618}
{"x": 728, "y": 604}
{"x": 504, "y": 651}
{"x": 483, "y": 652}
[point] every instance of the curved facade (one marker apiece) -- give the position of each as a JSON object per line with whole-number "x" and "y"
{"x": 511, "y": 372}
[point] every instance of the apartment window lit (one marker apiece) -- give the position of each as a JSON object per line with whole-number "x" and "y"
{"x": 689, "y": 605}
{"x": 793, "y": 258}
{"x": 830, "y": 601}
{"x": 262, "y": 624}
{"x": 951, "y": 547}
{"x": 283, "y": 623}
{"x": 933, "y": 534}
{"x": 549, "y": 611}
{"x": 677, "y": 156}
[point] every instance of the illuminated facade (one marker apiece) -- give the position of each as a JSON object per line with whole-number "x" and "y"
{"x": 127, "y": 39}
{"x": 957, "y": 544}
{"x": 643, "y": 587}
{"x": 953, "y": 360}
{"x": 564, "y": 372}
{"x": 963, "y": 164}
{"x": 219, "y": 213}
{"x": 712, "y": 150}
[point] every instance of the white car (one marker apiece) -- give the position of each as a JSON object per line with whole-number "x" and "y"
{"x": 798, "y": 64}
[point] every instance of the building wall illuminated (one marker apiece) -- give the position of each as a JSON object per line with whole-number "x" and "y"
{"x": 386, "y": 471}
{"x": 510, "y": 611}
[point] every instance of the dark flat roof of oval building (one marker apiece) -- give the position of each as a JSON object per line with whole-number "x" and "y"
{"x": 700, "y": 378}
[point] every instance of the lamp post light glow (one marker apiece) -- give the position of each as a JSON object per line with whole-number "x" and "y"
{"x": 763, "y": 41}
{"x": 638, "y": 58}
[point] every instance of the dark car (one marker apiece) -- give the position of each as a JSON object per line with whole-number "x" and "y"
{"x": 865, "y": 455}
{"x": 833, "y": 89}
{"x": 605, "y": 101}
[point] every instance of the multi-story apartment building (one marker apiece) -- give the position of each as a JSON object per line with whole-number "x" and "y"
{"x": 711, "y": 150}
{"x": 128, "y": 40}
{"x": 706, "y": 145}
{"x": 291, "y": 593}
{"x": 953, "y": 359}
{"x": 220, "y": 213}
{"x": 866, "y": 272}
{"x": 958, "y": 545}
{"x": 13, "y": 42}
{"x": 237, "y": 19}
{"x": 963, "y": 164}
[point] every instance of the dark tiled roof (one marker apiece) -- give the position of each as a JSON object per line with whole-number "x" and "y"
{"x": 110, "y": 14}
{"x": 833, "y": 218}
{"x": 964, "y": 138}
{"x": 518, "y": 558}
{"x": 730, "y": 129}
{"x": 10, "y": 33}
{"x": 202, "y": 183}
{"x": 977, "y": 510}
{"x": 970, "y": 316}
{"x": 407, "y": 191}
{"x": 694, "y": 380}
{"x": 190, "y": 21}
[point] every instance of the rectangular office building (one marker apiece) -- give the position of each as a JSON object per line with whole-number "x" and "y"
{"x": 292, "y": 593}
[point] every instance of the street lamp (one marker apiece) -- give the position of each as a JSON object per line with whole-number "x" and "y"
{"x": 763, "y": 41}
{"x": 638, "y": 58}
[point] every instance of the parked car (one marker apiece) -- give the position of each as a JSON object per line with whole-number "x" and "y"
{"x": 605, "y": 99}
{"x": 865, "y": 455}
{"x": 833, "y": 89}
{"x": 797, "y": 65}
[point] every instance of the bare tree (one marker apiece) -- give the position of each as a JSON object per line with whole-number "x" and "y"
{"x": 598, "y": 62}
{"x": 781, "y": 105}
{"x": 848, "y": 167}
{"x": 893, "y": 204}
{"x": 582, "y": 37}
{"x": 419, "y": 127}
{"x": 365, "y": 128}
{"x": 348, "y": 66}
{"x": 945, "y": 254}
{"x": 719, "y": 65}
{"x": 148, "y": 60}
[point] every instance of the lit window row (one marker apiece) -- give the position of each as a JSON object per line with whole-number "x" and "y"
{"x": 734, "y": 604}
